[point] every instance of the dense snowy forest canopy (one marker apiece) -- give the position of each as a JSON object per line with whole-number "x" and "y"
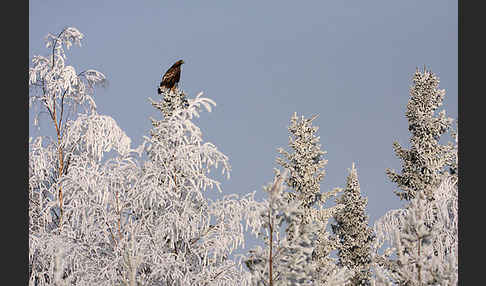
{"x": 104, "y": 212}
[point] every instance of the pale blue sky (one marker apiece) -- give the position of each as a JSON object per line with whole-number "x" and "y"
{"x": 351, "y": 62}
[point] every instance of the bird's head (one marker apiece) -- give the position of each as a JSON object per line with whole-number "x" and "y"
{"x": 179, "y": 62}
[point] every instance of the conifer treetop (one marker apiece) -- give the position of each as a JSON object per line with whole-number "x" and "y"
{"x": 306, "y": 162}
{"x": 354, "y": 235}
{"x": 426, "y": 159}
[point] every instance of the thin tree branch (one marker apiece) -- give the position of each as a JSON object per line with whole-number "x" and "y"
{"x": 55, "y": 44}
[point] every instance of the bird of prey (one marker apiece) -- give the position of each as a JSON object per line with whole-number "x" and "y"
{"x": 171, "y": 77}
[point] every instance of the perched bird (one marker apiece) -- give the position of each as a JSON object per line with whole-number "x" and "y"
{"x": 171, "y": 77}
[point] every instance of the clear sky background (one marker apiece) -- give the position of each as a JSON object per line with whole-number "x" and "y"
{"x": 351, "y": 62}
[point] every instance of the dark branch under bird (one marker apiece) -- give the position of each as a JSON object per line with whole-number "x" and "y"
{"x": 171, "y": 77}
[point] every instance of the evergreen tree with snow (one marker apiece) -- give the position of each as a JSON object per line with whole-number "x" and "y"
{"x": 354, "y": 234}
{"x": 305, "y": 163}
{"x": 423, "y": 235}
{"x": 427, "y": 159}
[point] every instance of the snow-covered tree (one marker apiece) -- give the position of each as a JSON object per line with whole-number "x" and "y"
{"x": 67, "y": 178}
{"x": 100, "y": 214}
{"x": 422, "y": 236}
{"x": 194, "y": 237}
{"x": 305, "y": 163}
{"x": 354, "y": 234}
{"x": 57, "y": 89}
{"x": 426, "y": 159}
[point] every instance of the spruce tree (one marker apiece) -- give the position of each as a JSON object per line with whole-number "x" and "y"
{"x": 305, "y": 163}
{"x": 427, "y": 159}
{"x": 354, "y": 234}
{"x": 423, "y": 235}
